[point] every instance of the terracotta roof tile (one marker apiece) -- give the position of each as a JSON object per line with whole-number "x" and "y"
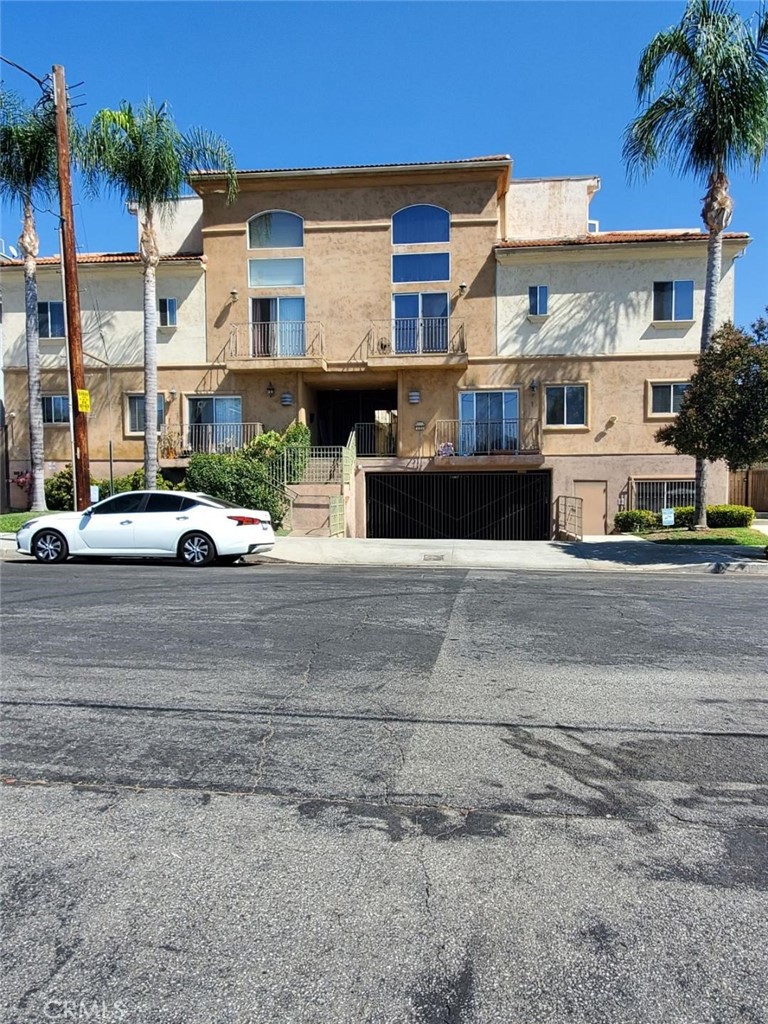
{"x": 616, "y": 238}
{"x": 107, "y": 257}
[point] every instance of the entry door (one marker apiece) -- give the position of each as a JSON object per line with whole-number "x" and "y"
{"x": 594, "y": 495}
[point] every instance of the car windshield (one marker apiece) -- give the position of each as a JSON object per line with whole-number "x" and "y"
{"x": 218, "y": 502}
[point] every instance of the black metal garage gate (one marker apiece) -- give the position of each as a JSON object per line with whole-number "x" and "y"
{"x": 459, "y": 506}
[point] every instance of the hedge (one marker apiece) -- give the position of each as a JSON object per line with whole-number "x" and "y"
{"x": 718, "y": 517}
{"x": 236, "y": 478}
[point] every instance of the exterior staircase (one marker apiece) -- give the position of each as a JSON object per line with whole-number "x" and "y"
{"x": 316, "y": 484}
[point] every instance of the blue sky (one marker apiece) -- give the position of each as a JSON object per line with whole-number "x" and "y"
{"x": 304, "y": 84}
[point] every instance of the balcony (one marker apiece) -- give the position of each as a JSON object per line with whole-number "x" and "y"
{"x": 292, "y": 344}
{"x": 205, "y": 438}
{"x": 516, "y": 441}
{"x": 431, "y": 341}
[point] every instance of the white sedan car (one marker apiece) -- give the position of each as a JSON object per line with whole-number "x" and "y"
{"x": 195, "y": 528}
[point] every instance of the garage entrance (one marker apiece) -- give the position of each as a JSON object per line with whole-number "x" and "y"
{"x": 459, "y": 506}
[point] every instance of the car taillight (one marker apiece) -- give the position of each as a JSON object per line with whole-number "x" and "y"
{"x": 245, "y": 520}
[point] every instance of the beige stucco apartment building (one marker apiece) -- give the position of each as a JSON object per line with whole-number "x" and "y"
{"x": 489, "y": 349}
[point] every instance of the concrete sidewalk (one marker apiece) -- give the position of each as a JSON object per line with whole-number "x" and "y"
{"x": 604, "y": 554}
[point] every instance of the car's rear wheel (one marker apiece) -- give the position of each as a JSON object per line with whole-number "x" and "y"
{"x": 197, "y": 549}
{"x": 49, "y": 546}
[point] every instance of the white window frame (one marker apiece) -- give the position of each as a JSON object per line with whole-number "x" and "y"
{"x": 536, "y": 315}
{"x": 171, "y": 305}
{"x": 669, "y": 385}
{"x": 675, "y": 319}
{"x": 128, "y": 396}
{"x": 54, "y": 422}
{"x": 565, "y": 425}
{"x": 277, "y": 248}
{"x": 49, "y": 303}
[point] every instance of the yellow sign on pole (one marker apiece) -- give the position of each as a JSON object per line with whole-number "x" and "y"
{"x": 83, "y": 400}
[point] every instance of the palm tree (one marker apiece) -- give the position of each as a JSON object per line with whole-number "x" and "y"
{"x": 28, "y": 175}
{"x": 145, "y": 159}
{"x": 704, "y": 88}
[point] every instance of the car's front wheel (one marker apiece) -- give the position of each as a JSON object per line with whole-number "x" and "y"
{"x": 49, "y": 546}
{"x": 197, "y": 549}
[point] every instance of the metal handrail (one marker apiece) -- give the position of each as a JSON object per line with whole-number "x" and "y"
{"x": 288, "y": 339}
{"x": 205, "y": 438}
{"x": 569, "y": 512}
{"x": 372, "y": 439}
{"x": 488, "y": 437}
{"x": 417, "y": 335}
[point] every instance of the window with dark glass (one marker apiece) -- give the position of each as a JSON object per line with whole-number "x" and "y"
{"x": 566, "y": 405}
{"x": 167, "y": 312}
{"x": 673, "y": 300}
{"x": 421, "y": 322}
{"x": 421, "y": 223}
{"x": 165, "y": 502}
{"x": 55, "y": 408}
{"x": 538, "y": 298}
{"x": 276, "y": 229}
{"x": 136, "y": 413}
{"x": 121, "y": 504}
{"x": 667, "y": 398}
{"x": 422, "y": 266}
{"x": 50, "y": 318}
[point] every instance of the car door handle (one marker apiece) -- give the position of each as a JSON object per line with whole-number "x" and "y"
{"x": 126, "y": 522}
{"x": 182, "y": 517}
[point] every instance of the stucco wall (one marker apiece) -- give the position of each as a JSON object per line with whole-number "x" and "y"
{"x": 549, "y": 207}
{"x": 179, "y": 230}
{"x": 111, "y": 301}
{"x": 601, "y": 299}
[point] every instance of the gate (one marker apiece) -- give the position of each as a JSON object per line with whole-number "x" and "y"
{"x": 463, "y": 506}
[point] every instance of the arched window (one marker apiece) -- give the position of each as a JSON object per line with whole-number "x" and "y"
{"x": 421, "y": 223}
{"x": 276, "y": 229}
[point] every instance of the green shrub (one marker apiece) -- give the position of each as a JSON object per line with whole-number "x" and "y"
{"x": 59, "y": 490}
{"x": 633, "y": 520}
{"x": 684, "y": 517}
{"x": 719, "y": 516}
{"x": 264, "y": 447}
{"x": 131, "y": 482}
{"x": 236, "y": 478}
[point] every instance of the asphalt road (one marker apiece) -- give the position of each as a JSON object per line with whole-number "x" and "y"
{"x": 357, "y": 796}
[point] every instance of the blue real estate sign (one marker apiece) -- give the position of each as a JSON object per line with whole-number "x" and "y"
{"x": 667, "y": 517}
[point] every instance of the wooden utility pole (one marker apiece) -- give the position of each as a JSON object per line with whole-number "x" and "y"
{"x": 80, "y": 396}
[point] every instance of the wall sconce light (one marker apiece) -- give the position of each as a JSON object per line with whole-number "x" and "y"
{"x": 234, "y": 295}
{"x": 286, "y": 398}
{"x": 172, "y": 394}
{"x": 414, "y": 397}
{"x": 463, "y": 288}
{"x": 533, "y": 386}
{"x": 419, "y": 425}
{"x": 270, "y": 390}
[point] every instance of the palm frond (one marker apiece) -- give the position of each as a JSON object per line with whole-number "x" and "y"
{"x": 28, "y": 168}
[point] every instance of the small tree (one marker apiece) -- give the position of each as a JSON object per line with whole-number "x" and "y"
{"x": 28, "y": 175}
{"x": 724, "y": 414}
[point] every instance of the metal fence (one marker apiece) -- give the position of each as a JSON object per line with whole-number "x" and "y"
{"x": 292, "y": 339}
{"x": 417, "y": 335}
{"x": 487, "y": 437}
{"x": 373, "y": 439}
{"x": 208, "y": 438}
{"x": 569, "y": 517}
{"x": 336, "y": 515}
{"x": 655, "y": 495}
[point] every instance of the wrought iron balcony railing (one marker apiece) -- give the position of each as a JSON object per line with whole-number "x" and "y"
{"x": 487, "y": 437}
{"x": 291, "y": 339}
{"x": 417, "y": 335}
{"x": 374, "y": 439}
{"x": 208, "y": 438}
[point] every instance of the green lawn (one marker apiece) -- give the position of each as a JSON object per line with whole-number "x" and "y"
{"x": 11, "y": 521}
{"x": 731, "y": 535}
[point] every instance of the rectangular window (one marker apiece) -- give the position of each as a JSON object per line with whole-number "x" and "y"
{"x": 50, "y": 317}
{"x": 667, "y": 398}
{"x": 422, "y": 266}
{"x": 278, "y": 328}
{"x": 167, "y": 312}
{"x": 673, "y": 300}
{"x": 136, "y": 418}
{"x": 55, "y": 408}
{"x": 538, "y": 297}
{"x": 566, "y": 405}
{"x": 658, "y": 494}
{"x": 275, "y": 273}
{"x": 215, "y": 423}
{"x": 488, "y": 422}
{"x": 421, "y": 322}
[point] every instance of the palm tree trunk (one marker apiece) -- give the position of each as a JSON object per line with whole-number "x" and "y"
{"x": 716, "y": 214}
{"x": 150, "y": 258}
{"x": 29, "y": 244}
